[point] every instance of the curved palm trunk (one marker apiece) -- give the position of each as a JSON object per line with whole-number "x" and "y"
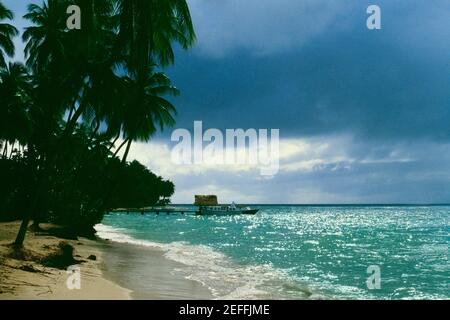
{"x": 42, "y": 186}
{"x": 127, "y": 150}
{"x": 114, "y": 142}
{"x": 5, "y": 149}
{"x": 119, "y": 148}
{"x": 12, "y": 150}
{"x": 69, "y": 117}
{"x": 22, "y": 231}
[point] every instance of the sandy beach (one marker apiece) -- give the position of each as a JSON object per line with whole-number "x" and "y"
{"x": 105, "y": 271}
{"x": 30, "y": 279}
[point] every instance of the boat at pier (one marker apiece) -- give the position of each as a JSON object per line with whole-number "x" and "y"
{"x": 225, "y": 210}
{"x": 208, "y": 205}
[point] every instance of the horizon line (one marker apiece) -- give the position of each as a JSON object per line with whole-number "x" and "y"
{"x": 334, "y": 204}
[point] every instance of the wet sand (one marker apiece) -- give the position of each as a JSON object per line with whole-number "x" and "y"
{"x": 149, "y": 274}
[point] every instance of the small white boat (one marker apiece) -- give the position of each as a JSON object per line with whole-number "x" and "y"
{"x": 225, "y": 210}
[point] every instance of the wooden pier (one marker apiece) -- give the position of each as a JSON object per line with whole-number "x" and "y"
{"x": 157, "y": 210}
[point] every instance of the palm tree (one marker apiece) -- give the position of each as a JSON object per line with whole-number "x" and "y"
{"x": 145, "y": 109}
{"x": 147, "y": 30}
{"x": 7, "y": 33}
{"x": 45, "y": 37}
{"x": 104, "y": 72}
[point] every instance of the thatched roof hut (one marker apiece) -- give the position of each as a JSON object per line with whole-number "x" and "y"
{"x": 209, "y": 200}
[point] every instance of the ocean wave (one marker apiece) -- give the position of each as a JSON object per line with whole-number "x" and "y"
{"x": 224, "y": 277}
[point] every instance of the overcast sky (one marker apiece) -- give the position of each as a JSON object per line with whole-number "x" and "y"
{"x": 364, "y": 115}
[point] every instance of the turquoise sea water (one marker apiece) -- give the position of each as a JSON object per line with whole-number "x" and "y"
{"x": 292, "y": 252}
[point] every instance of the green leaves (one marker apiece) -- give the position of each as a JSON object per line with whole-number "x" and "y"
{"x": 15, "y": 90}
{"x": 7, "y": 33}
{"x": 107, "y": 67}
{"x": 82, "y": 88}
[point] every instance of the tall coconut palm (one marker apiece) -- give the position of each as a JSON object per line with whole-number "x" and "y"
{"x": 45, "y": 45}
{"x": 146, "y": 110}
{"x": 105, "y": 72}
{"x": 65, "y": 64}
{"x": 59, "y": 81}
{"x": 7, "y": 33}
{"x": 147, "y": 30}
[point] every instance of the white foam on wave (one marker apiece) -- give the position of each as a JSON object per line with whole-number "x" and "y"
{"x": 225, "y": 278}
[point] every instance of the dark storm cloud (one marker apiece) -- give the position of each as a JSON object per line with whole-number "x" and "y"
{"x": 387, "y": 84}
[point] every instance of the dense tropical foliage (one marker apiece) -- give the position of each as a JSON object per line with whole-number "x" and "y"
{"x": 69, "y": 115}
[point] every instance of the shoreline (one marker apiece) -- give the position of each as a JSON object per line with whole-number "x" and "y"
{"x": 103, "y": 275}
{"x": 149, "y": 274}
